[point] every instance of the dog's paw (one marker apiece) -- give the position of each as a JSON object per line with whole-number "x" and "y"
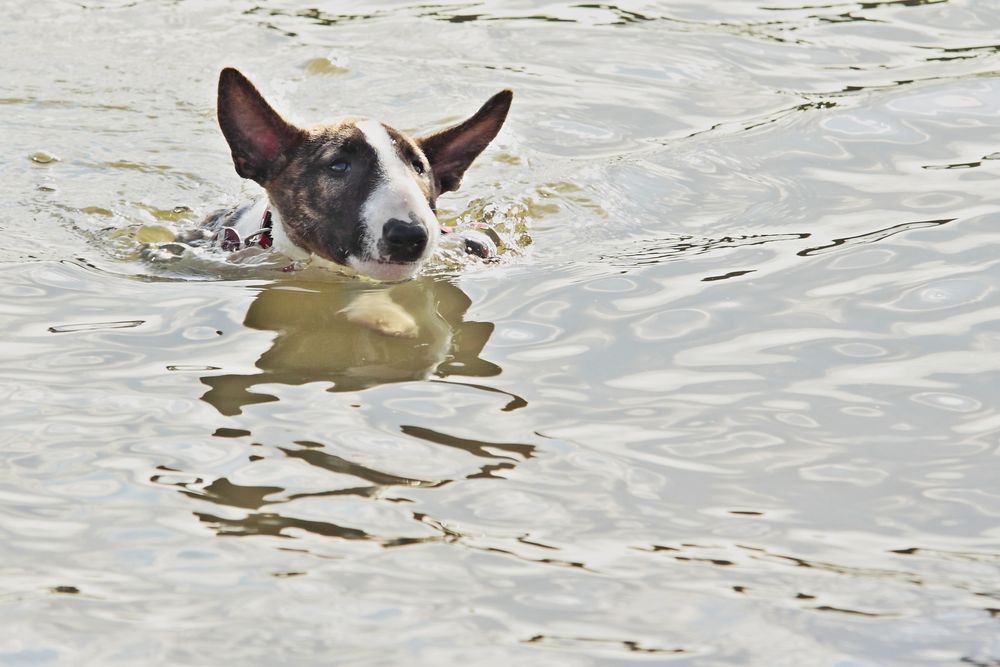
{"x": 478, "y": 242}
{"x": 161, "y": 252}
{"x": 378, "y": 312}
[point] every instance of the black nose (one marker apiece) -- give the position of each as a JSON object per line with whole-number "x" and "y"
{"x": 404, "y": 241}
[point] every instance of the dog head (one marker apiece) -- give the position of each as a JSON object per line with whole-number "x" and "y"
{"x": 358, "y": 192}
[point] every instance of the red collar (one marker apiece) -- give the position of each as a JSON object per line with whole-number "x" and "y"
{"x": 229, "y": 239}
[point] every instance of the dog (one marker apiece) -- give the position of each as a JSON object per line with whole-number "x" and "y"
{"x": 357, "y": 194}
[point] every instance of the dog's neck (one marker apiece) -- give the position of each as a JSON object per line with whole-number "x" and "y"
{"x": 259, "y": 219}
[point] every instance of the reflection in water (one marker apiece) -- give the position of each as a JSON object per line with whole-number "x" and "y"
{"x": 586, "y": 642}
{"x": 795, "y": 466}
{"x": 661, "y": 250}
{"x": 375, "y": 486}
{"x": 474, "y": 447}
{"x": 336, "y": 332}
{"x": 872, "y": 237}
{"x": 313, "y": 456}
{"x": 269, "y": 523}
{"x": 224, "y": 492}
{"x": 353, "y": 335}
{"x": 743, "y": 556}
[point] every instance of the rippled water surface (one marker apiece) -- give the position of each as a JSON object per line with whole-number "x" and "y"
{"x": 730, "y": 398}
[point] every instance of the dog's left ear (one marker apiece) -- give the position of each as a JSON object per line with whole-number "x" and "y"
{"x": 452, "y": 150}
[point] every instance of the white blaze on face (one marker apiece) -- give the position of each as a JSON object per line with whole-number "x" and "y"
{"x": 398, "y": 196}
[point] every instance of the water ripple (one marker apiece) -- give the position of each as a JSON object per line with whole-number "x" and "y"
{"x": 736, "y": 369}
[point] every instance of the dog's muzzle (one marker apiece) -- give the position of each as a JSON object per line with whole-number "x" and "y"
{"x": 403, "y": 241}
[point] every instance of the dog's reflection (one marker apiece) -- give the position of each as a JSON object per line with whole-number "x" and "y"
{"x": 356, "y": 335}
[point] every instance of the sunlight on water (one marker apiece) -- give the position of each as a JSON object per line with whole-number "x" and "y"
{"x": 728, "y": 397}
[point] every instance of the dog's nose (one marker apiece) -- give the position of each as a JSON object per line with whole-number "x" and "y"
{"x": 404, "y": 241}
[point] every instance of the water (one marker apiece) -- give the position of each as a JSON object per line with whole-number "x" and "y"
{"x": 730, "y": 399}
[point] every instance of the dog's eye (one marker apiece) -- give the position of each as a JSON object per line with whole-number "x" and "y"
{"x": 340, "y": 167}
{"x": 418, "y": 167}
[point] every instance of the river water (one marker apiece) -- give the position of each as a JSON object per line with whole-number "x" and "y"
{"x": 730, "y": 397}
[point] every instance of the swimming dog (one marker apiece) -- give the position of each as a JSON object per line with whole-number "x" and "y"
{"x": 357, "y": 193}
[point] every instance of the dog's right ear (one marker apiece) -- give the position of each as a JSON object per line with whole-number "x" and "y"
{"x": 260, "y": 139}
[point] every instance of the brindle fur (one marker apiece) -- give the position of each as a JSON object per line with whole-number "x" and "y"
{"x": 320, "y": 210}
{"x": 308, "y": 198}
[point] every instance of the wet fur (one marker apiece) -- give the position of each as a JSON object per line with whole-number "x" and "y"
{"x": 341, "y": 217}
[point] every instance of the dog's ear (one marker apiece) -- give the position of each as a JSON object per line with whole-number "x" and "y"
{"x": 259, "y": 138}
{"x": 453, "y": 149}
